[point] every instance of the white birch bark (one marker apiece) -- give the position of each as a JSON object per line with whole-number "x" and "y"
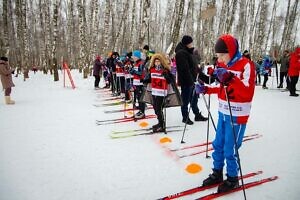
{"x": 145, "y": 21}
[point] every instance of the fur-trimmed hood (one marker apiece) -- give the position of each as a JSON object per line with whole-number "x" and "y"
{"x": 164, "y": 61}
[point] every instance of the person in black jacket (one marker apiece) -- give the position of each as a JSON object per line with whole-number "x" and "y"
{"x": 186, "y": 77}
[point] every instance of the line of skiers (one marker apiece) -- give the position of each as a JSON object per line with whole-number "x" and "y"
{"x": 289, "y": 69}
{"x": 236, "y": 75}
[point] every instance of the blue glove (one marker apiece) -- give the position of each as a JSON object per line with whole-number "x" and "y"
{"x": 223, "y": 75}
{"x": 200, "y": 88}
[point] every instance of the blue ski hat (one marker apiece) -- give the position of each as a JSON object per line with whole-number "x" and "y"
{"x": 137, "y": 54}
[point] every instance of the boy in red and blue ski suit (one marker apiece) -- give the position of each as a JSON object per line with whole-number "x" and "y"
{"x": 237, "y": 76}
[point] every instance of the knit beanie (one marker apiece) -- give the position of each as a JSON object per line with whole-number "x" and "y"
{"x": 4, "y": 58}
{"x": 186, "y": 39}
{"x": 220, "y": 46}
{"x": 146, "y": 47}
{"x": 227, "y": 44}
{"x": 137, "y": 54}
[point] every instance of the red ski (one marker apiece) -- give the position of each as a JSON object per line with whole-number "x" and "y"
{"x": 202, "y": 188}
{"x": 211, "y": 148}
{"x": 121, "y": 120}
{"x": 246, "y": 186}
{"x": 204, "y": 144}
{"x": 125, "y": 110}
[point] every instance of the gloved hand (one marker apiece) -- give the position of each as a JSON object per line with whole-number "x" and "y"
{"x": 210, "y": 71}
{"x": 223, "y": 75}
{"x": 132, "y": 71}
{"x": 200, "y": 88}
{"x": 167, "y": 76}
{"x": 147, "y": 79}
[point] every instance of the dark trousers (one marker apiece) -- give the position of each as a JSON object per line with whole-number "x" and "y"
{"x": 113, "y": 82}
{"x": 294, "y": 81}
{"x": 158, "y": 104}
{"x": 128, "y": 86}
{"x": 265, "y": 80}
{"x": 258, "y": 79}
{"x": 188, "y": 97}
{"x": 138, "y": 93}
{"x": 7, "y": 91}
{"x": 121, "y": 84}
{"x": 281, "y": 77}
{"x": 97, "y": 80}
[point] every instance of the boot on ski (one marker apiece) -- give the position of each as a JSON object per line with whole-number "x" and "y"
{"x": 214, "y": 178}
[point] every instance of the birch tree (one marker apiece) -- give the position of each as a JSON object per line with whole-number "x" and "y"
{"x": 54, "y": 44}
{"x": 145, "y": 21}
{"x": 5, "y": 38}
{"x": 175, "y": 34}
{"x": 106, "y": 25}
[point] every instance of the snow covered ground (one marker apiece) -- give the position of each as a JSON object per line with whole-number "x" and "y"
{"x": 52, "y": 149}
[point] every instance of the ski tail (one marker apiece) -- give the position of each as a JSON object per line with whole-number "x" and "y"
{"x": 141, "y": 130}
{"x": 119, "y": 136}
{"x": 246, "y": 186}
{"x": 211, "y": 148}
{"x": 123, "y": 120}
{"x": 202, "y": 188}
{"x": 256, "y": 135}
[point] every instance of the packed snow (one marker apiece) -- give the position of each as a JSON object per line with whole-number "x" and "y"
{"x": 52, "y": 149}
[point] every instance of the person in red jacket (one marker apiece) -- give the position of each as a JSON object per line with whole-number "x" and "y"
{"x": 236, "y": 75}
{"x": 293, "y": 71}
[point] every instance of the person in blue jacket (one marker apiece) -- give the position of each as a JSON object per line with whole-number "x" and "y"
{"x": 265, "y": 69}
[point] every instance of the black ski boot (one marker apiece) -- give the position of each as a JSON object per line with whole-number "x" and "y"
{"x": 214, "y": 178}
{"x": 200, "y": 117}
{"x": 187, "y": 121}
{"x": 229, "y": 184}
{"x": 158, "y": 129}
{"x": 154, "y": 127}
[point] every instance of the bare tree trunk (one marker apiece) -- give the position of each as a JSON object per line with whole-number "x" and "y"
{"x": 5, "y": 39}
{"x": 253, "y": 31}
{"x": 231, "y": 17}
{"x": 82, "y": 34}
{"x": 132, "y": 25}
{"x": 96, "y": 28}
{"x": 122, "y": 22}
{"x": 292, "y": 19}
{"x": 286, "y": 24}
{"x": 223, "y": 17}
{"x": 106, "y": 25}
{"x": 261, "y": 27}
{"x": 54, "y": 44}
{"x": 145, "y": 21}
{"x": 175, "y": 34}
{"x": 199, "y": 30}
{"x": 241, "y": 29}
{"x": 12, "y": 36}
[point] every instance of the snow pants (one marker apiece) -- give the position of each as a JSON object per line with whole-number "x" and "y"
{"x": 224, "y": 144}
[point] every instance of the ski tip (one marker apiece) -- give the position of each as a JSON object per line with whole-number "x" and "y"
{"x": 273, "y": 178}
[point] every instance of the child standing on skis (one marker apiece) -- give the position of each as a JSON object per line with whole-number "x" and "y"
{"x": 138, "y": 72}
{"x": 235, "y": 93}
{"x": 161, "y": 90}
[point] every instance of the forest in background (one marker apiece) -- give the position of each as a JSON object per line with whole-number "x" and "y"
{"x": 43, "y": 33}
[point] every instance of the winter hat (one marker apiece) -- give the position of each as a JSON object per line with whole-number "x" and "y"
{"x": 186, "y": 39}
{"x": 137, "y": 54}
{"x": 246, "y": 52}
{"x": 4, "y": 58}
{"x": 227, "y": 44}
{"x": 146, "y": 47}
